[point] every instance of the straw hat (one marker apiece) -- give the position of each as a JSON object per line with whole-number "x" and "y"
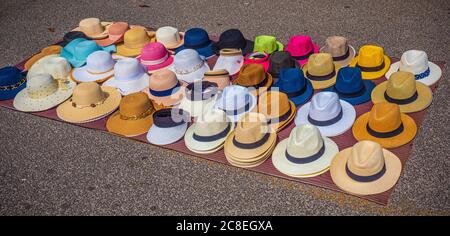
{"x": 134, "y": 40}
{"x": 279, "y": 61}
{"x": 154, "y": 56}
{"x": 199, "y": 97}
{"x": 301, "y": 48}
{"x": 99, "y": 68}
{"x": 169, "y": 126}
{"x": 236, "y": 101}
{"x": 277, "y": 108}
{"x": 321, "y": 70}
{"x": 170, "y": 37}
{"x": 54, "y": 65}
{"x": 230, "y": 59}
{"x": 220, "y": 77}
{"x": 305, "y": 153}
{"x": 115, "y": 34}
{"x": 78, "y": 50}
{"x": 89, "y": 102}
{"x": 416, "y": 62}
{"x": 50, "y": 50}
{"x": 254, "y": 77}
{"x": 93, "y": 28}
{"x": 365, "y": 169}
{"x": 292, "y": 82}
{"x": 189, "y": 66}
{"x": 372, "y": 61}
{"x": 258, "y": 58}
{"x": 404, "y": 90}
{"x": 386, "y": 125}
{"x": 342, "y": 53}
{"x": 233, "y": 38}
{"x": 134, "y": 116}
{"x": 165, "y": 88}
{"x": 12, "y": 81}
{"x": 198, "y": 40}
{"x": 267, "y": 43}
{"x": 330, "y": 114}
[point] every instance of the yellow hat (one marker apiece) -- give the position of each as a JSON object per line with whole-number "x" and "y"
{"x": 134, "y": 40}
{"x": 372, "y": 62}
{"x": 321, "y": 70}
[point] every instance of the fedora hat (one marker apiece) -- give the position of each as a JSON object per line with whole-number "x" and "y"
{"x": 99, "y": 68}
{"x": 233, "y": 38}
{"x": 267, "y": 43}
{"x": 340, "y": 50}
{"x": 301, "y": 48}
{"x": 189, "y": 66}
{"x": 220, "y": 77}
{"x": 261, "y": 58}
{"x": 254, "y": 76}
{"x": 169, "y": 126}
{"x": 134, "y": 116}
{"x": 154, "y": 56}
{"x": 198, "y": 40}
{"x": 115, "y": 34}
{"x": 70, "y": 36}
{"x": 416, "y": 62}
{"x": 365, "y": 168}
{"x": 331, "y": 115}
{"x": 404, "y": 90}
{"x": 306, "y": 153}
{"x": 293, "y": 83}
{"x": 50, "y": 50}
{"x": 279, "y": 61}
{"x": 134, "y": 40}
{"x": 236, "y": 101}
{"x": 170, "y": 37}
{"x": 42, "y": 92}
{"x": 12, "y": 81}
{"x": 386, "y": 125}
{"x": 207, "y": 135}
{"x": 277, "y": 108}
{"x": 251, "y": 142}
{"x": 199, "y": 97}
{"x": 89, "y": 102}
{"x": 93, "y": 28}
{"x": 165, "y": 88}
{"x": 129, "y": 77}
{"x": 372, "y": 61}
{"x": 77, "y": 51}
{"x": 321, "y": 70}
{"x": 351, "y": 87}
{"x": 230, "y": 59}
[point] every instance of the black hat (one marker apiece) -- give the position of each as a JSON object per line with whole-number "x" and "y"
{"x": 281, "y": 60}
{"x": 233, "y": 38}
{"x": 68, "y": 37}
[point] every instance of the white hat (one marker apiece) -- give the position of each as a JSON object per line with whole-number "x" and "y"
{"x": 169, "y": 37}
{"x": 306, "y": 153}
{"x": 99, "y": 67}
{"x": 189, "y": 66}
{"x": 54, "y": 65}
{"x": 416, "y": 62}
{"x": 199, "y": 97}
{"x": 236, "y": 101}
{"x": 331, "y": 115}
{"x": 230, "y": 60}
{"x": 129, "y": 76}
{"x": 169, "y": 126}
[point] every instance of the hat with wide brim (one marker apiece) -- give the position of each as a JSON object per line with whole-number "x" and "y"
{"x": 376, "y": 74}
{"x": 204, "y": 147}
{"x": 153, "y": 68}
{"x": 343, "y": 181}
{"x": 409, "y": 132}
{"x": 102, "y": 35}
{"x": 358, "y": 98}
{"x": 67, "y": 112}
{"x": 127, "y": 87}
{"x": 81, "y": 74}
{"x": 171, "y": 100}
{"x": 164, "y": 136}
{"x": 50, "y": 50}
{"x": 194, "y": 76}
{"x": 38, "y": 66}
{"x": 235, "y": 117}
{"x": 432, "y": 78}
{"x": 321, "y": 84}
{"x": 128, "y": 128}
{"x": 317, "y": 167}
{"x": 302, "y": 98}
{"x": 338, "y": 128}
{"x": 108, "y": 41}
{"x": 423, "y": 100}
{"x": 123, "y": 50}
{"x": 346, "y": 61}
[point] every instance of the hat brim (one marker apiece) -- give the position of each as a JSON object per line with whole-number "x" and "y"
{"x": 304, "y": 61}
{"x": 424, "y": 97}
{"x": 128, "y": 128}
{"x": 279, "y": 126}
{"x": 194, "y": 76}
{"x": 345, "y": 62}
{"x": 338, "y": 128}
{"x": 108, "y": 41}
{"x": 322, "y": 84}
{"x": 153, "y": 68}
{"x": 165, "y": 136}
{"x": 126, "y": 88}
{"x": 176, "y": 45}
{"x": 207, "y": 51}
{"x": 375, "y": 74}
{"x": 435, "y": 73}
{"x": 247, "y": 155}
{"x": 246, "y": 163}
{"x": 386, "y": 182}
{"x": 167, "y": 101}
{"x": 204, "y": 147}
{"x": 409, "y": 132}
{"x": 235, "y": 118}
{"x": 304, "y": 97}
{"x": 10, "y": 94}
{"x": 363, "y": 98}
{"x": 317, "y": 167}
{"x": 38, "y": 65}
{"x": 102, "y": 35}
{"x": 81, "y": 75}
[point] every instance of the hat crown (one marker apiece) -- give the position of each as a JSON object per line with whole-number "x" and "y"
{"x": 349, "y": 80}
{"x": 281, "y": 60}
{"x": 85, "y": 48}
{"x": 414, "y": 61}
{"x": 251, "y": 128}
{"x": 195, "y": 37}
{"x": 401, "y": 85}
{"x": 336, "y": 45}
{"x": 211, "y": 122}
{"x": 366, "y": 158}
{"x": 128, "y": 69}
{"x": 385, "y": 117}
{"x": 162, "y": 80}
{"x": 291, "y": 80}
{"x": 88, "y": 93}
{"x": 99, "y": 62}
{"x": 304, "y": 141}
{"x": 72, "y": 35}
{"x": 153, "y": 51}
{"x": 273, "y": 104}
{"x": 168, "y": 35}
{"x": 136, "y": 37}
{"x": 325, "y": 106}
{"x": 232, "y": 38}
{"x": 118, "y": 29}
{"x": 370, "y": 56}
{"x": 41, "y": 85}
{"x": 91, "y": 26}
{"x": 235, "y": 97}
{"x": 320, "y": 64}
{"x": 265, "y": 43}
{"x": 9, "y": 75}
{"x": 300, "y": 45}
{"x": 251, "y": 75}
{"x": 135, "y": 104}
{"x": 58, "y": 67}
{"x": 187, "y": 59}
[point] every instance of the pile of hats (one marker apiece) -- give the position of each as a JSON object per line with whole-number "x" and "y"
{"x": 160, "y": 84}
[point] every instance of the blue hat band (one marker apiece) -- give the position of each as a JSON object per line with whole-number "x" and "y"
{"x": 164, "y": 93}
{"x": 343, "y": 57}
{"x": 360, "y": 178}
{"x": 320, "y": 78}
{"x": 389, "y": 134}
{"x": 371, "y": 69}
{"x": 358, "y": 93}
{"x": 251, "y": 145}
{"x": 202, "y": 45}
{"x": 401, "y": 101}
{"x": 306, "y": 160}
{"x": 326, "y": 122}
{"x": 213, "y": 138}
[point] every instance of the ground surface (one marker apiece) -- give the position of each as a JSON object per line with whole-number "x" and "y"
{"x": 48, "y": 167}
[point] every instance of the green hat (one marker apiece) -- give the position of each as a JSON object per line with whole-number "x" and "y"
{"x": 267, "y": 43}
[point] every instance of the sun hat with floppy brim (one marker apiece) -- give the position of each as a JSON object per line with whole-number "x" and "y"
{"x": 102, "y": 35}
{"x": 53, "y": 49}
{"x": 375, "y": 74}
{"x": 432, "y": 78}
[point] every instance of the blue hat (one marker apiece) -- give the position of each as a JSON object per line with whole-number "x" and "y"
{"x": 293, "y": 83}
{"x": 351, "y": 87}
{"x": 12, "y": 80}
{"x": 77, "y": 51}
{"x": 198, "y": 39}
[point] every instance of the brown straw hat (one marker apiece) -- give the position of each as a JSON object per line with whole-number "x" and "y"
{"x": 277, "y": 107}
{"x": 321, "y": 70}
{"x": 254, "y": 76}
{"x": 340, "y": 50}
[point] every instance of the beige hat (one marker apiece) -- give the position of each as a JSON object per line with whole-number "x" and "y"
{"x": 321, "y": 70}
{"x": 170, "y": 37}
{"x": 220, "y": 77}
{"x": 339, "y": 49}
{"x": 94, "y": 28}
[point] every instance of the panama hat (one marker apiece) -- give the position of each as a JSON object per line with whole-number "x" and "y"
{"x": 292, "y": 82}
{"x": 134, "y": 40}
{"x": 351, "y": 87}
{"x": 89, "y": 102}
{"x": 301, "y": 47}
{"x": 253, "y": 76}
{"x": 236, "y": 101}
{"x": 416, "y": 62}
{"x": 306, "y": 153}
{"x": 279, "y": 61}
{"x": 129, "y": 77}
{"x": 404, "y": 90}
{"x": 189, "y": 66}
{"x": 365, "y": 169}
{"x": 170, "y": 37}
{"x": 209, "y": 132}
{"x": 99, "y": 68}
{"x": 229, "y": 59}
{"x": 154, "y": 56}
{"x": 198, "y": 40}
{"x": 77, "y": 51}
{"x": 134, "y": 116}
{"x": 53, "y": 49}
{"x": 70, "y": 36}
{"x": 115, "y": 34}
{"x": 321, "y": 70}
{"x": 277, "y": 108}
{"x": 199, "y": 97}
{"x": 267, "y": 43}
{"x": 372, "y": 61}
{"x": 93, "y": 28}
{"x": 169, "y": 126}
{"x": 251, "y": 142}
{"x": 342, "y": 53}
{"x": 331, "y": 115}
{"x": 386, "y": 125}
{"x": 12, "y": 81}
{"x": 220, "y": 77}
{"x": 165, "y": 88}
{"x": 258, "y": 58}
{"x": 233, "y": 38}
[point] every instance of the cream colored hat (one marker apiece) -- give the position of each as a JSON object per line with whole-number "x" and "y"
{"x": 93, "y": 28}
{"x": 170, "y": 37}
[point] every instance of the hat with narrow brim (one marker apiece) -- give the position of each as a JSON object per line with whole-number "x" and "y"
{"x": 285, "y": 122}
{"x": 170, "y": 100}
{"x": 373, "y": 74}
{"x": 206, "y": 146}
{"x": 164, "y": 136}
{"x": 360, "y": 97}
{"x": 130, "y": 127}
{"x": 245, "y": 162}
{"x": 323, "y": 83}
{"x": 102, "y": 35}
{"x": 247, "y": 49}
{"x": 346, "y": 61}
{"x": 251, "y": 154}
{"x": 123, "y": 50}
{"x": 433, "y": 77}
{"x": 303, "y": 97}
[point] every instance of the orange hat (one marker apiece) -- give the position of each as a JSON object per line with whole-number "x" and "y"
{"x": 277, "y": 108}
{"x": 254, "y": 76}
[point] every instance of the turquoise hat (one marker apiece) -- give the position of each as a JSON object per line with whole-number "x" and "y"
{"x": 77, "y": 51}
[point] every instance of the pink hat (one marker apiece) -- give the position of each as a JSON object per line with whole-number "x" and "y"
{"x": 258, "y": 58}
{"x": 115, "y": 34}
{"x": 301, "y": 47}
{"x": 155, "y": 56}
